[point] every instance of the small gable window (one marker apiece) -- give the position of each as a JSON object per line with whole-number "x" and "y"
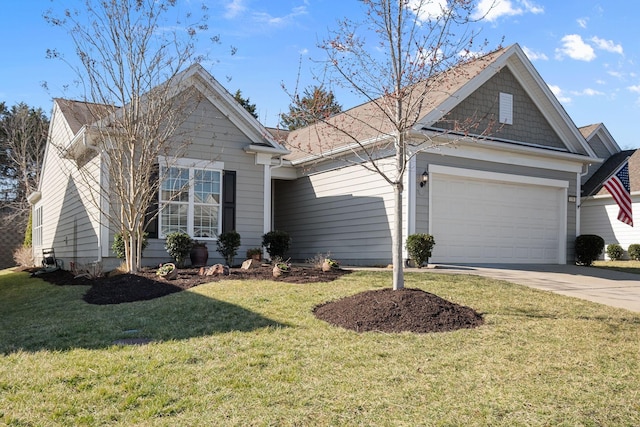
{"x": 506, "y": 108}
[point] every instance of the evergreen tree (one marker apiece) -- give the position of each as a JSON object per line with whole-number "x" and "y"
{"x": 251, "y": 108}
{"x": 316, "y": 104}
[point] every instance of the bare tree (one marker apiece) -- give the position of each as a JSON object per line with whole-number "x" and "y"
{"x": 23, "y": 136}
{"x": 417, "y": 51}
{"x": 133, "y": 58}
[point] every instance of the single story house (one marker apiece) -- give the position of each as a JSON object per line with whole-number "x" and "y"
{"x": 508, "y": 196}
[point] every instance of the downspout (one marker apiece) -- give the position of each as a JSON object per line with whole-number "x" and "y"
{"x": 268, "y": 193}
{"x": 585, "y": 170}
{"x": 89, "y": 146}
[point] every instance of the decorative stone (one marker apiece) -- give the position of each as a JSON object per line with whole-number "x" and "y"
{"x": 251, "y": 263}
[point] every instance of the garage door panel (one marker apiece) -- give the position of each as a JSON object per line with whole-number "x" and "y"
{"x": 475, "y": 220}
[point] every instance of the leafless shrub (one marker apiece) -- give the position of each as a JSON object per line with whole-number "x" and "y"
{"x": 23, "y": 256}
{"x": 318, "y": 259}
{"x": 93, "y": 270}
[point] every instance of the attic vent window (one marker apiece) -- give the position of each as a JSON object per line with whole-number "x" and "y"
{"x": 506, "y": 108}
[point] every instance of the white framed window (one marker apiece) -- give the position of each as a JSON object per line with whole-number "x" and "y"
{"x": 190, "y": 201}
{"x": 37, "y": 227}
{"x": 506, "y": 108}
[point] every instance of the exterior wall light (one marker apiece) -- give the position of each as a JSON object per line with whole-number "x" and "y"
{"x": 424, "y": 178}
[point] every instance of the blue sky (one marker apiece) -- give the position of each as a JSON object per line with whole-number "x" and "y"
{"x": 586, "y": 50}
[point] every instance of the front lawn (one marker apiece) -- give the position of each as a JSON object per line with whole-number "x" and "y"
{"x": 626, "y": 266}
{"x": 251, "y": 353}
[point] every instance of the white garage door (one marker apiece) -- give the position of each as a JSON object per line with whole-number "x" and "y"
{"x": 497, "y": 218}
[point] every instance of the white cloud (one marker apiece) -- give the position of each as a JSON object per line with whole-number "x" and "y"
{"x": 582, "y": 22}
{"x": 280, "y": 20}
{"x": 560, "y": 94}
{"x": 234, "y": 8}
{"x": 634, "y": 88}
{"x": 616, "y": 74}
{"x": 491, "y": 10}
{"x": 428, "y": 10}
{"x": 534, "y": 56}
{"x": 587, "y": 92}
{"x": 607, "y": 45}
{"x": 575, "y": 48}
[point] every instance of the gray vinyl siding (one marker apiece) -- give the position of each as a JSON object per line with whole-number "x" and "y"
{"x": 422, "y": 198}
{"x": 482, "y": 106}
{"x": 216, "y": 138}
{"x": 69, "y": 224}
{"x": 345, "y": 211}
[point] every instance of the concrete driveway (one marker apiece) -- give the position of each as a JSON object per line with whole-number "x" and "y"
{"x": 593, "y": 284}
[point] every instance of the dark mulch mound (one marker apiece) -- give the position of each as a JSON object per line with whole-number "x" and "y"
{"x": 146, "y": 285}
{"x": 386, "y": 310}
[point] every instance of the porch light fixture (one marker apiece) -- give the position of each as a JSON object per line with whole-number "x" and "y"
{"x": 424, "y": 178}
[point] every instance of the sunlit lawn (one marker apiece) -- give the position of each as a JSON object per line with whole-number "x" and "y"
{"x": 627, "y": 266}
{"x": 252, "y": 354}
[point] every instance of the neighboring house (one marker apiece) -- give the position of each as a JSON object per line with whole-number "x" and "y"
{"x": 598, "y": 210}
{"x": 239, "y": 156}
{"x": 507, "y": 197}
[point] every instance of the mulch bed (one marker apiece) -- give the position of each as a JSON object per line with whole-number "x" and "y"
{"x": 386, "y": 310}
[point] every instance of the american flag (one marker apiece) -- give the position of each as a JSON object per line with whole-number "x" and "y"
{"x": 618, "y": 186}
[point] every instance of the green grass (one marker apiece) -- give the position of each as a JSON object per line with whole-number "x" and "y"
{"x": 252, "y": 354}
{"x": 626, "y": 266}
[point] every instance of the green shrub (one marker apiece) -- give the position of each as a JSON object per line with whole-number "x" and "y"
{"x": 634, "y": 252}
{"x": 276, "y": 243}
{"x": 615, "y": 251}
{"x": 28, "y": 236}
{"x": 178, "y": 245}
{"x": 588, "y": 248}
{"x": 118, "y": 245}
{"x": 419, "y": 247}
{"x": 228, "y": 244}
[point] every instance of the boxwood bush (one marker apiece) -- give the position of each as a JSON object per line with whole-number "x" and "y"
{"x": 276, "y": 243}
{"x": 615, "y": 251}
{"x": 634, "y": 252}
{"x": 588, "y": 248}
{"x": 419, "y": 247}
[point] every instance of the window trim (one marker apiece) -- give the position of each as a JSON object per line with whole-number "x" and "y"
{"x": 191, "y": 165}
{"x": 37, "y": 226}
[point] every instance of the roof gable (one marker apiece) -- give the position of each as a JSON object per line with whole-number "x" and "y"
{"x": 600, "y": 140}
{"x": 82, "y": 115}
{"x": 514, "y": 60}
{"x": 442, "y": 94}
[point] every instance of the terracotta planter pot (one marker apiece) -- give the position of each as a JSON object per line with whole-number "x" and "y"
{"x": 199, "y": 256}
{"x": 171, "y": 274}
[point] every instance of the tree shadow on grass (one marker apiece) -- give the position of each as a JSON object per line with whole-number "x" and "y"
{"x": 66, "y": 322}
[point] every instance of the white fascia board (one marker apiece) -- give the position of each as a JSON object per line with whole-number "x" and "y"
{"x": 190, "y": 163}
{"x": 254, "y": 148}
{"x": 501, "y": 152}
{"x": 240, "y": 117}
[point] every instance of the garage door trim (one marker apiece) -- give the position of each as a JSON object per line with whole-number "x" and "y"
{"x": 511, "y": 179}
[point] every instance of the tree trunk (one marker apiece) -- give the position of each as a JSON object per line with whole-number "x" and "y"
{"x": 396, "y": 242}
